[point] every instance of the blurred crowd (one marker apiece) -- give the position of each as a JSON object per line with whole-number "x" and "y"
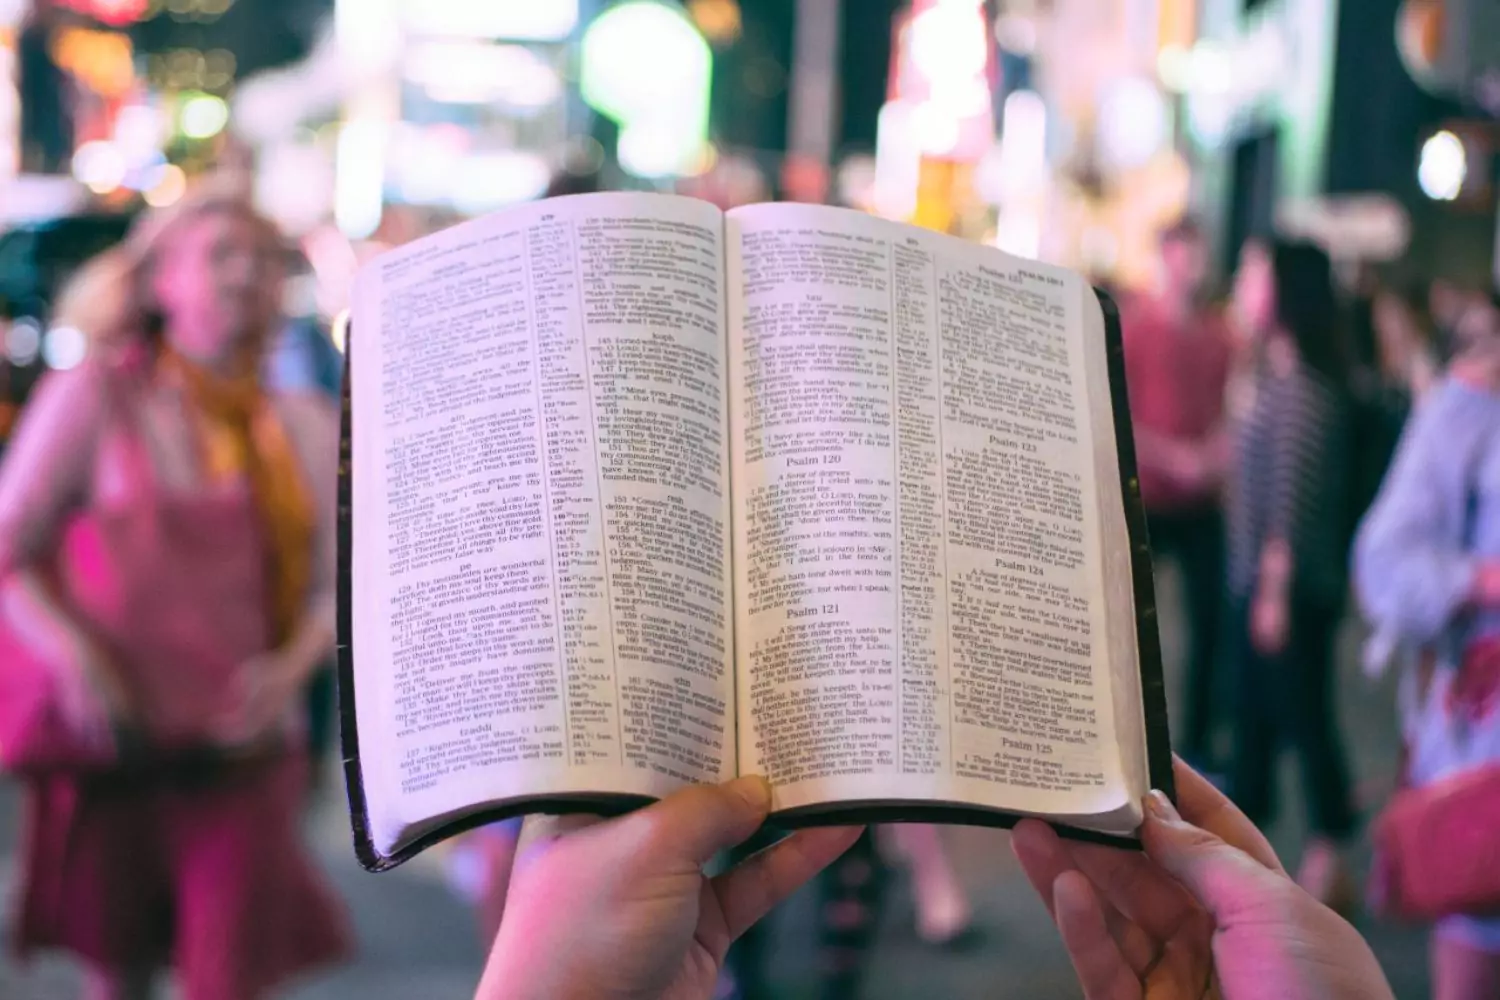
{"x": 1309, "y": 449}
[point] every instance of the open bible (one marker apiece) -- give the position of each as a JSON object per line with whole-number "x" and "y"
{"x": 637, "y": 493}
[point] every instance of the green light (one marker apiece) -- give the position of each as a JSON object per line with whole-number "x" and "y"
{"x": 202, "y": 116}
{"x": 648, "y": 68}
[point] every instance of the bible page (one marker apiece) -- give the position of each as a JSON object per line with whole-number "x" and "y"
{"x": 920, "y": 593}
{"x": 541, "y": 504}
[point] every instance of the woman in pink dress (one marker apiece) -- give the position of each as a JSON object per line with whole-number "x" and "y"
{"x": 166, "y": 549}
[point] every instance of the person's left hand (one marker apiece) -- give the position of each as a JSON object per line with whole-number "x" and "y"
{"x": 1206, "y": 911}
{"x": 1270, "y": 621}
{"x": 622, "y": 908}
{"x": 266, "y": 685}
{"x": 1188, "y": 463}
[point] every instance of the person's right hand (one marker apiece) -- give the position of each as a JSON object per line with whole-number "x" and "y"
{"x": 1270, "y": 621}
{"x": 1485, "y": 590}
{"x": 1206, "y": 908}
{"x": 90, "y": 699}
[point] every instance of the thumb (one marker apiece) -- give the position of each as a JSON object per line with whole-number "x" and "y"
{"x": 1223, "y": 879}
{"x": 694, "y": 824}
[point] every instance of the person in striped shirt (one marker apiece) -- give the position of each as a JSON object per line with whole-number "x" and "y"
{"x": 1288, "y": 524}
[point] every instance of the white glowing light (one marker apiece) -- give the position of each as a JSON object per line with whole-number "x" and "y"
{"x": 1019, "y": 232}
{"x": 945, "y": 43}
{"x": 1099, "y": 249}
{"x": 947, "y": 51}
{"x": 23, "y": 341}
{"x": 898, "y": 160}
{"x": 1023, "y": 145}
{"x": 520, "y": 20}
{"x": 1209, "y": 117}
{"x": 485, "y": 182}
{"x": 338, "y": 331}
{"x": 856, "y": 180}
{"x": 204, "y": 116}
{"x": 1133, "y": 123}
{"x": 937, "y": 131}
{"x": 657, "y": 148}
{"x": 639, "y": 53}
{"x": 294, "y": 185}
{"x": 359, "y": 184}
{"x": 1210, "y": 68}
{"x": 169, "y": 186}
{"x": 1016, "y": 33}
{"x": 139, "y": 132}
{"x": 1444, "y": 167}
{"x": 424, "y": 171}
{"x": 12, "y": 12}
{"x": 64, "y": 347}
{"x": 1174, "y": 67}
{"x": 367, "y": 34}
{"x": 100, "y": 165}
{"x": 479, "y": 73}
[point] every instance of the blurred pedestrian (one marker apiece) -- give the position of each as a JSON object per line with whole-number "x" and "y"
{"x": 165, "y": 546}
{"x": 944, "y": 915}
{"x": 1446, "y": 303}
{"x": 1395, "y": 367}
{"x": 1406, "y": 353}
{"x": 1177, "y": 359}
{"x": 1478, "y": 323}
{"x": 851, "y": 893}
{"x": 1428, "y": 572}
{"x": 1288, "y": 516}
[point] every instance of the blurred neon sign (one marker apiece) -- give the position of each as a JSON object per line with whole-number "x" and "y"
{"x": 111, "y": 12}
{"x": 102, "y": 60}
{"x": 944, "y": 68}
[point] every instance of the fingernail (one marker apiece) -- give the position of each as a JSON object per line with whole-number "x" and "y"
{"x": 1159, "y": 806}
{"x": 754, "y": 789}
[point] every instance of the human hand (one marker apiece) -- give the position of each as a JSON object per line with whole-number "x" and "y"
{"x": 1189, "y": 464}
{"x": 1485, "y": 590}
{"x": 1270, "y": 621}
{"x": 1206, "y": 911}
{"x": 90, "y": 698}
{"x": 265, "y": 687}
{"x": 622, "y": 908}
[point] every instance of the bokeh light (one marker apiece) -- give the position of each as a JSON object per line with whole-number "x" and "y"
{"x": 203, "y": 116}
{"x": 1443, "y": 167}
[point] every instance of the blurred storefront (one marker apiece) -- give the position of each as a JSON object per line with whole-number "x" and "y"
{"x": 938, "y": 122}
{"x": 1119, "y": 165}
{"x": 466, "y": 107}
{"x": 1046, "y": 131}
{"x": 118, "y": 91}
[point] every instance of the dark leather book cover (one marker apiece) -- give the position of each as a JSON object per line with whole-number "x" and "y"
{"x": 1153, "y": 691}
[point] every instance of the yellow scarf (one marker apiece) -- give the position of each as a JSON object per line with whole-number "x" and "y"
{"x": 240, "y": 433}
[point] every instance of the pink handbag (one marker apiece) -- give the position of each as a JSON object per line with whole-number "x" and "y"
{"x": 34, "y": 736}
{"x": 1437, "y": 849}
{"x": 1437, "y": 846}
